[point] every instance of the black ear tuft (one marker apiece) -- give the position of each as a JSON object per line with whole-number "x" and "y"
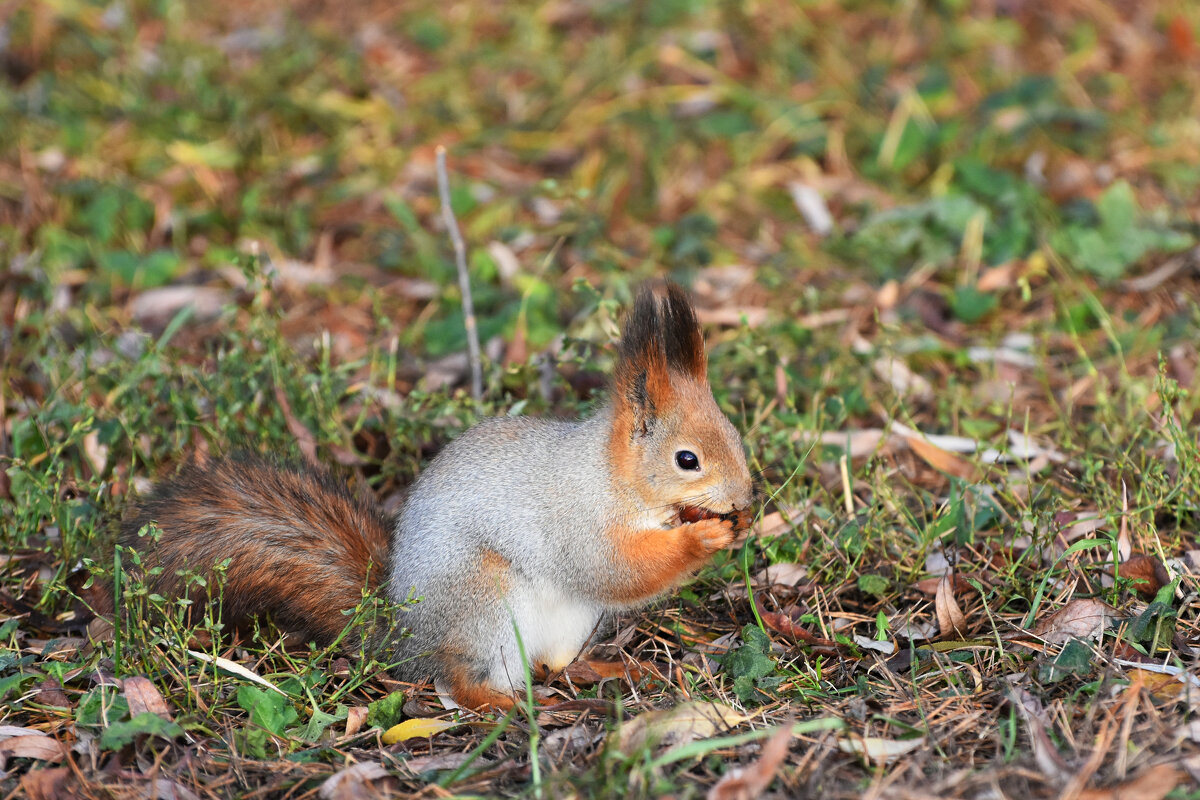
{"x": 682, "y": 338}
{"x": 641, "y": 339}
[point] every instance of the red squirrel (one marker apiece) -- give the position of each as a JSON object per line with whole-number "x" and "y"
{"x": 538, "y": 525}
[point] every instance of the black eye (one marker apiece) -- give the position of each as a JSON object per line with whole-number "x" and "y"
{"x": 686, "y": 459}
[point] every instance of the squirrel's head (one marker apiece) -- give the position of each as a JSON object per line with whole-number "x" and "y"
{"x": 670, "y": 441}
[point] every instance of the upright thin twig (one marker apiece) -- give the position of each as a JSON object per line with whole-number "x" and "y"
{"x": 464, "y": 280}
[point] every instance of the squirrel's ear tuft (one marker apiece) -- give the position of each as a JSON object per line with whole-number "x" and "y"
{"x": 682, "y": 337}
{"x": 642, "y": 380}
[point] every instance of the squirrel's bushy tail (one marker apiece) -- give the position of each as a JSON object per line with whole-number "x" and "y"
{"x": 300, "y": 546}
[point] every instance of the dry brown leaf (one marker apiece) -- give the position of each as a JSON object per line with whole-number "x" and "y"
{"x": 353, "y": 782}
{"x": 1147, "y": 572}
{"x": 855, "y": 444}
{"x": 778, "y": 621}
{"x": 440, "y": 761}
{"x": 950, "y": 617}
{"x": 355, "y": 717}
{"x": 684, "y": 723}
{"x": 874, "y": 748}
{"x": 142, "y": 696}
{"x": 745, "y": 783}
{"x": 154, "y": 308}
{"x": 235, "y": 668}
{"x": 1153, "y": 784}
{"x": 1082, "y": 618}
{"x": 772, "y": 524}
{"x": 48, "y": 784}
{"x": 50, "y": 693}
{"x": 41, "y": 747}
{"x": 784, "y": 574}
{"x": 943, "y": 460}
{"x": 929, "y": 586}
{"x": 590, "y": 671}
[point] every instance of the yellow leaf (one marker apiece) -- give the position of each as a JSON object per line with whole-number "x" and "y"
{"x": 413, "y": 728}
{"x": 217, "y": 154}
{"x": 683, "y": 723}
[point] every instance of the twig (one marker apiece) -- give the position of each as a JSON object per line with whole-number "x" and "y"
{"x": 464, "y": 280}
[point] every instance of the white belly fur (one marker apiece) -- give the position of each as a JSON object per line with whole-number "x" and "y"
{"x": 553, "y": 628}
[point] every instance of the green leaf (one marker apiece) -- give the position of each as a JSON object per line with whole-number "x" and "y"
{"x": 876, "y": 585}
{"x": 1157, "y": 621}
{"x": 386, "y": 712}
{"x": 1118, "y": 239}
{"x": 12, "y": 682}
{"x": 267, "y": 709}
{"x": 154, "y": 269}
{"x": 971, "y": 305}
{"x": 320, "y": 720}
{"x": 750, "y": 665}
{"x": 1074, "y": 659}
{"x": 104, "y": 703}
{"x": 119, "y": 734}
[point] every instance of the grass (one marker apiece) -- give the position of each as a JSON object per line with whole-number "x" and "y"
{"x": 1012, "y": 265}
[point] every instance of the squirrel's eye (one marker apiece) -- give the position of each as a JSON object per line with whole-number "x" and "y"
{"x": 686, "y": 459}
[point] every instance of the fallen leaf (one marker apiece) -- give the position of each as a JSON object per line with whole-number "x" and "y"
{"x": 353, "y": 782}
{"x": 874, "y": 748}
{"x": 41, "y": 747}
{"x": 943, "y": 460}
{"x": 1153, "y": 784}
{"x": 856, "y": 444}
{"x": 772, "y": 524}
{"x": 1045, "y": 754}
{"x": 878, "y": 645}
{"x": 950, "y": 617}
{"x": 1147, "y": 573}
{"x": 812, "y": 207}
{"x": 778, "y": 621}
{"x": 422, "y": 764}
{"x": 49, "y": 693}
{"x": 1180, "y": 37}
{"x": 236, "y": 669}
{"x": 47, "y": 784}
{"x": 156, "y": 307}
{"x": 902, "y": 379}
{"x": 417, "y": 728}
{"x": 684, "y": 723}
{"x": 355, "y": 717}
{"x": 142, "y": 695}
{"x": 745, "y": 783}
{"x": 784, "y": 574}
{"x": 590, "y": 671}
{"x": 167, "y": 789}
{"x": 9, "y": 731}
{"x": 929, "y": 586}
{"x": 1162, "y": 687}
{"x": 942, "y": 441}
{"x": 1083, "y": 618}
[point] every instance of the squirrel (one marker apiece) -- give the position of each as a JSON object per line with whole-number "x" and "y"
{"x": 519, "y": 525}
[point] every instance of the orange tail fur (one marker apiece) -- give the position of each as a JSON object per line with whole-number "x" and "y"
{"x": 300, "y": 546}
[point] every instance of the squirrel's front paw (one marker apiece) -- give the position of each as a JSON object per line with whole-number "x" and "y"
{"x": 711, "y": 535}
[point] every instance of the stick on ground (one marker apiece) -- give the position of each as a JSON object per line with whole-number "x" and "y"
{"x": 464, "y": 280}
